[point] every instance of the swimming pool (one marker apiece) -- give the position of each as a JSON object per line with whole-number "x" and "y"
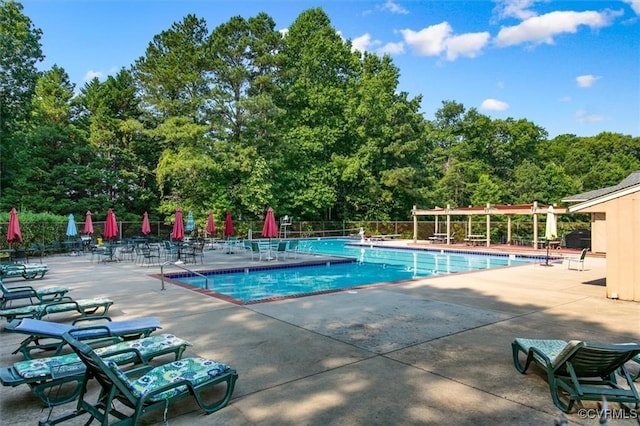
{"x": 362, "y": 265}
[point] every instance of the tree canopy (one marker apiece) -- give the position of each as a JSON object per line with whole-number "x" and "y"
{"x": 241, "y": 117}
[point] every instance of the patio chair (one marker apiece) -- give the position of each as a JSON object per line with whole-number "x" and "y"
{"x": 171, "y": 251}
{"x": 157, "y": 388}
{"x": 26, "y": 292}
{"x": 580, "y": 371}
{"x": 281, "y": 250}
{"x": 150, "y": 256}
{"x": 84, "y": 307}
{"x": 29, "y": 271}
{"x": 47, "y": 335}
{"x": 100, "y": 253}
{"x": 128, "y": 251}
{"x": 293, "y": 248}
{"x": 579, "y": 260}
{"x": 43, "y": 375}
{"x": 257, "y": 250}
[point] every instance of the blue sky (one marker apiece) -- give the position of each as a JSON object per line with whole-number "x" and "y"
{"x": 568, "y": 66}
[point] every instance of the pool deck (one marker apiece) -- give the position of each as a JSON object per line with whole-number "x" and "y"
{"x": 432, "y": 351}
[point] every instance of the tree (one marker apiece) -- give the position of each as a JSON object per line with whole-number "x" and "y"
{"x": 124, "y": 156}
{"x": 58, "y": 171}
{"x": 172, "y": 75}
{"x": 384, "y": 168}
{"x": 20, "y": 51}
{"x": 487, "y": 191}
{"x": 316, "y": 65}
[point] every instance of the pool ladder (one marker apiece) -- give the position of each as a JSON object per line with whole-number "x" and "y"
{"x": 181, "y": 266}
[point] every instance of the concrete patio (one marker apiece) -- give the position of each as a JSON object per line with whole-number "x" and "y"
{"x": 431, "y": 351}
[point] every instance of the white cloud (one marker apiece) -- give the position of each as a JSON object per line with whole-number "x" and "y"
{"x": 542, "y": 29}
{"x": 583, "y": 116}
{"x": 392, "y": 48}
{"x": 587, "y": 80}
{"x": 515, "y": 9}
{"x": 493, "y": 105}
{"x": 635, "y": 5}
{"x": 429, "y": 41}
{"x": 469, "y": 45}
{"x": 438, "y": 39}
{"x": 364, "y": 43}
{"x": 564, "y": 99}
{"x": 500, "y": 85}
{"x": 394, "y": 7}
{"x": 91, "y": 74}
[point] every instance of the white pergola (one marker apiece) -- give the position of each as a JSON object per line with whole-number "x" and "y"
{"x": 489, "y": 210}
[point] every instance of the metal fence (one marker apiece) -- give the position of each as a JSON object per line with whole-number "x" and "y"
{"x": 46, "y": 233}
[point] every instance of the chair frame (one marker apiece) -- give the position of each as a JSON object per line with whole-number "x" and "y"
{"x": 256, "y": 249}
{"x": 84, "y": 307}
{"x": 47, "y": 336}
{"x": 28, "y": 271}
{"x": 583, "y": 371}
{"x": 64, "y": 369}
{"x": 579, "y": 260}
{"x": 293, "y": 248}
{"x": 281, "y": 251}
{"x": 27, "y": 292}
{"x": 113, "y": 388}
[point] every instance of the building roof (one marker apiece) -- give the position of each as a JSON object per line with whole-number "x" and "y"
{"x": 631, "y": 180}
{"x": 628, "y": 185}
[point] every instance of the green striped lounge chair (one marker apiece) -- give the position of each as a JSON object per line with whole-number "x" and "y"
{"x": 49, "y": 377}
{"x": 580, "y": 371}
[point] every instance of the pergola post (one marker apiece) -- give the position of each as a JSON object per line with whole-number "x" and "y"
{"x": 535, "y": 225}
{"x": 415, "y": 224}
{"x": 488, "y": 224}
{"x": 448, "y": 225}
{"x": 509, "y": 229}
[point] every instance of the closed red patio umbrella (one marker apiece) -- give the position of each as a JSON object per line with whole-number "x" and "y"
{"x": 228, "y": 225}
{"x": 111, "y": 226}
{"x": 178, "y": 226}
{"x": 211, "y": 225}
{"x": 88, "y": 224}
{"x": 13, "y": 230}
{"x": 146, "y": 226}
{"x": 270, "y": 229}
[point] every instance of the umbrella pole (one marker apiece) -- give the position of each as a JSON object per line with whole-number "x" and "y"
{"x": 547, "y": 257}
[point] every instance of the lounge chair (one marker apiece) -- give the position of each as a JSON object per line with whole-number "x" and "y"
{"x": 46, "y": 335}
{"x": 636, "y": 375}
{"x": 44, "y": 374}
{"x": 155, "y": 389}
{"x": 578, "y": 370}
{"x": 28, "y": 271}
{"x": 26, "y": 292}
{"x": 579, "y": 260}
{"x": 84, "y": 307}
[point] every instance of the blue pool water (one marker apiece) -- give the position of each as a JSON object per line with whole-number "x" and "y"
{"x": 367, "y": 265}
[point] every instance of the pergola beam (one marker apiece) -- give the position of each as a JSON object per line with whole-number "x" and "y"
{"x": 489, "y": 210}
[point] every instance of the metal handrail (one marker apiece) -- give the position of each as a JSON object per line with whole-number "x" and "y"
{"x": 178, "y": 265}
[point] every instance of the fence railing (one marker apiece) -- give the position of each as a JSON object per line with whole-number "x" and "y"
{"x": 46, "y": 233}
